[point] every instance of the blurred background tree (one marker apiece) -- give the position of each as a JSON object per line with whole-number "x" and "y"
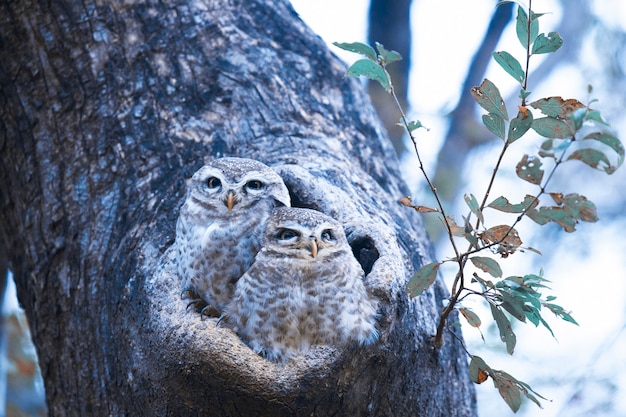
{"x": 594, "y": 52}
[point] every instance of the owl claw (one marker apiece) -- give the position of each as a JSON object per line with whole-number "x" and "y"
{"x": 210, "y": 311}
{"x": 195, "y": 303}
{"x": 190, "y": 294}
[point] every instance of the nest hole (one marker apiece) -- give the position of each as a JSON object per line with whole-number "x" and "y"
{"x": 365, "y": 252}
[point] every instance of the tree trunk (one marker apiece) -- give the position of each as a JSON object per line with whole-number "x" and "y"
{"x": 105, "y": 110}
{"x": 389, "y": 23}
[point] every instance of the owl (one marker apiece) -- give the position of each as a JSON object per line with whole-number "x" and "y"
{"x": 220, "y": 226}
{"x": 304, "y": 288}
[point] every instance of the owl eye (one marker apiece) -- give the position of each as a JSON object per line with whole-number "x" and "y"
{"x": 254, "y": 185}
{"x": 213, "y": 182}
{"x": 327, "y": 235}
{"x": 286, "y": 234}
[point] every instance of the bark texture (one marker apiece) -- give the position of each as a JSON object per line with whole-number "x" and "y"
{"x": 106, "y": 109}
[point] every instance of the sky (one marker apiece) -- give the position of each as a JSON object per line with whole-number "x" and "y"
{"x": 582, "y": 370}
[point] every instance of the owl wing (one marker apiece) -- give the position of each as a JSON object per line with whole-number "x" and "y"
{"x": 342, "y": 308}
{"x": 263, "y": 311}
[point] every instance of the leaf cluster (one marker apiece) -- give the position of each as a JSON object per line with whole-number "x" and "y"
{"x": 509, "y": 387}
{"x": 560, "y": 122}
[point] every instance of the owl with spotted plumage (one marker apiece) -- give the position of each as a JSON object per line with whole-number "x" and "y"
{"x": 220, "y": 227}
{"x": 304, "y": 288}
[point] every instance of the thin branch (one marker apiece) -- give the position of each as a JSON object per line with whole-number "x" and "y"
{"x": 405, "y": 122}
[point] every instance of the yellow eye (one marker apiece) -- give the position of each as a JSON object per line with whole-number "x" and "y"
{"x": 213, "y": 182}
{"x": 286, "y": 234}
{"x": 254, "y": 185}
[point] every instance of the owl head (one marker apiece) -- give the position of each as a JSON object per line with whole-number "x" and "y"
{"x": 229, "y": 186}
{"x": 304, "y": 233}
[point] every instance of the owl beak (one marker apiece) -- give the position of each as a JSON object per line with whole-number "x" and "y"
{"x": 314, "y": 248}
{"x": 230, "y": 200}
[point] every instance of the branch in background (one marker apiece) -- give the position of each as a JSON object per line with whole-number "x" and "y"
{"x": 389, "y": 22}
{"x": 465, "y": 133}
{"x": 578, "y": 20}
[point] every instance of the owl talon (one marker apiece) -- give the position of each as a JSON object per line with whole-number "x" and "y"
{"x": 204, "y": 308}
{"x": 210, "y": 311}
{"x": 190, "y": 294}
{"x": 195, "y": 303}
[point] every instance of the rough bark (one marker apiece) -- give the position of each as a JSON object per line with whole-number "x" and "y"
{"x": 105, "y": 109}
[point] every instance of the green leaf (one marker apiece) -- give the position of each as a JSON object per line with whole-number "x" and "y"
{"x": 529, "y": 169}
{"x": 514, "y": 305}
{"x": 577, "y": 117}
{"x": 357, "y": 47}
{"x": 533, "y": 316}
{"x": 553, "y": 214}
{"x": 545, "y": 324}
{"x": 471, "y": 317}
{"x": 502, "y": 204}
{"x": 526, "y": 390}
{"x": 596, "y": 117}
{"x": 484, "y": 284}
{"x": 415, "y": 124}
{"x": 560, "y": 312}
{"x": 534, "y": 280}
{"x": 545, "y": 44}
{"x": 593, "y": 158}
{"x": 479, "y": 370}
{"x": 423, "y": 279}
{"x": 549, "y": 127}
{"x": 488, "y": 265}
{"x": 559, "y": 108}
{"x": 550, "y": 106}
{"x": 521, "y": 27}
{"x": 523, "y": 94}
{"x": 508, "y": 389}
{"x": 519, "y": 126}
{"x": 504, "y": 326}
{"x": 495, "y": 124}
{"x": 489, "y": 98}
{"x": 371, "y": 70}
{"x": 569, "y": 209}
{"x": 550, "y": 146}
{"x": 510, "y": 65}
{"x": 472, "y": 203}
{"x": 579, "y": 207}
{"x": 610, "y": 141}
{"x": 387, "y": 56}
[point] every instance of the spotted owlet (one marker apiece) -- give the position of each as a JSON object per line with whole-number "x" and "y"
{"x": 304, "y": 288}
{"x": 220, "y": 226}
